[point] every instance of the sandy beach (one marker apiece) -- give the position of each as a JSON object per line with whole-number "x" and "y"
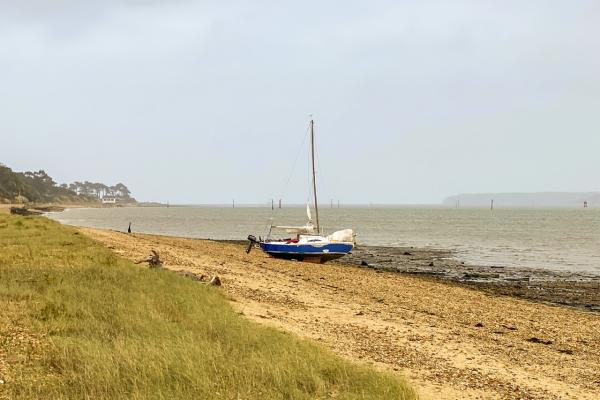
{"x": 452, "y": 341}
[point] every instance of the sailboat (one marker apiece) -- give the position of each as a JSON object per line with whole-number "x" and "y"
{"x": 308, "y": 244}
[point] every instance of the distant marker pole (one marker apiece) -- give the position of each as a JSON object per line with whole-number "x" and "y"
{"x": 233, "y": 203}
{"x": 492, "y": 205}
{"x": 279, "y": 203}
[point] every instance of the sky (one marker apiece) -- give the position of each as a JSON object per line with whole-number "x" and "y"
{"x": 206, "y": 101}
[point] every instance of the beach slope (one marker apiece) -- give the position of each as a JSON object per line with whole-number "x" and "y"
{"x": 453, "y": 342}
{"x": 78, "y": 321}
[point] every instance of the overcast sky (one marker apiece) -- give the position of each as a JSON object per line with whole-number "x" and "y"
{"x": 201, "y": 102}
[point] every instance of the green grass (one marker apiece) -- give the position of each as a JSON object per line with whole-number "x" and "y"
{"x": 80, "y": 322}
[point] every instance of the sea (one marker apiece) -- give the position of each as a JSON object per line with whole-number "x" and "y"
{"x": 549, "y": 238}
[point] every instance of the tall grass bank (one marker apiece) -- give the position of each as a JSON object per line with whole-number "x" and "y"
{"x": 80, "y": 322}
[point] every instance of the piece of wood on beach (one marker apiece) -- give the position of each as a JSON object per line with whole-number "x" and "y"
{"x": 153, "y": 260}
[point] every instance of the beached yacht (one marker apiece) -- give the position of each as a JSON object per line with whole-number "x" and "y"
{"x": 308, "y": 243}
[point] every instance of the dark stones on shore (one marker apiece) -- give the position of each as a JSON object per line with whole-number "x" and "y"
{"x": 46, "y": 209}
{"x": 368, "y": 264}
{"x": 34, "y": 210}
{"x": 477, "y": 275}
{"x": 565, "y": 288}
{"x": 24, "y": 211}
{"x": 593, "y": 307}
{"x": 517, "y": 278}
{"x": 540, "y": 341}
{"x": 566, "y": 351}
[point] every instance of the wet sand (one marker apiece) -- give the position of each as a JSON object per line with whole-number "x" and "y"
{"x": 449, "y": 337}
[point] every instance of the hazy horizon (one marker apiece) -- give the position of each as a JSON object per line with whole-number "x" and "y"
{"x": 202, "y": 102}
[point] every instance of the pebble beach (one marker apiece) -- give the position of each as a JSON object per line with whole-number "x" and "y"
{"x": 452, "y": 337}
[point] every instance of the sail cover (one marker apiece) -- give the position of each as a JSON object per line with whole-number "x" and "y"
{"x": 306, "y": 229}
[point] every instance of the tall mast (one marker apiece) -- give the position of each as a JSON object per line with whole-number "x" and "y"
{"x": 312, "y": 153}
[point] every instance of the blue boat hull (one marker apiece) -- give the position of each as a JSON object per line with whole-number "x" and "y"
{"x": 306, "y": 252}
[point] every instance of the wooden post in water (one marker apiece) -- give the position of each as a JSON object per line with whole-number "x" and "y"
{"x": 279, "y": 203}
{"x": 272, "y": 204}
{"x": 492, "y": 205}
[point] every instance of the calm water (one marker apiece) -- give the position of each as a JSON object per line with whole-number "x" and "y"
{"x": 560, "y": 239}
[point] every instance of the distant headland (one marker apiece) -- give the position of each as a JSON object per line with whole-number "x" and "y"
{"x": 39, "y": 187}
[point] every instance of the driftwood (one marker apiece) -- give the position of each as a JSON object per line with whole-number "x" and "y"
{"x": 153, "y": 260}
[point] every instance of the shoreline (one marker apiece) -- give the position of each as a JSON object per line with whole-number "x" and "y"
{"x": 571, "y": 289}
{"x": 451, "y": 340}
{"x": 546, "y": 251}
{"x": 579, "y": 290}
{"x": 568, "y": 289}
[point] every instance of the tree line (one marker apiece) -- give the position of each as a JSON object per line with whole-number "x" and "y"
{"x": 99, "y": 190}
{"x": 38, "y": 186}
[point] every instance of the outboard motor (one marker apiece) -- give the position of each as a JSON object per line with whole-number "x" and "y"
{"x": 251, "y": 242}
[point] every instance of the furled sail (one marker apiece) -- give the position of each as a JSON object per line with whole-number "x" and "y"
{"x": 299, "y": 230}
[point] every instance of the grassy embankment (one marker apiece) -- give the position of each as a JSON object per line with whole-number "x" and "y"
{"x": 78, "y": 321}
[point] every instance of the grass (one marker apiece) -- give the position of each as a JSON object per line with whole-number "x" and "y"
{"x": 79, "y": 322}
